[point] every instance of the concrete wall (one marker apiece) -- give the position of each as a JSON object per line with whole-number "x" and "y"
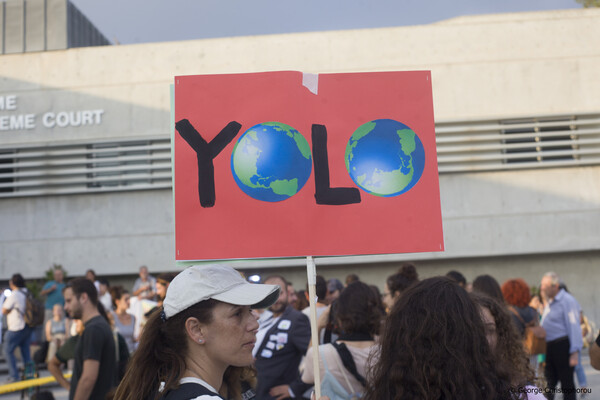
{"x": 511, "y": 223}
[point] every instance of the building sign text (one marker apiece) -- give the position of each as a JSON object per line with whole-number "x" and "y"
{"x": 61, "y": 119}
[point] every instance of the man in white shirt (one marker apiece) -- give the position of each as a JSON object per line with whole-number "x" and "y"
{"x": 18, "y": 333}
{"x": 144, "y": 287}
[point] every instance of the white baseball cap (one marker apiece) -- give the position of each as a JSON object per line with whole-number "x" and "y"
{"x": 219, "y": 282}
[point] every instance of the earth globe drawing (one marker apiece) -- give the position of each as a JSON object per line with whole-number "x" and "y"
{"x": 385, "y": 158}
{"x": 271, "y": 161}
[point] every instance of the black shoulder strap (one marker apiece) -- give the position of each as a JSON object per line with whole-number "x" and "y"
{"x": 516, "y": 313}
{"x": 348, "y": 362}
{"x": 327, "y": 336}
{"x": 188, "y": 391}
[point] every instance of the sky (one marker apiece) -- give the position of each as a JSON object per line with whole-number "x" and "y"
{"x": 144, "y": 21}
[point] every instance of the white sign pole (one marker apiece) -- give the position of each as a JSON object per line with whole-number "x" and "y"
{"x": 312, "y": 295}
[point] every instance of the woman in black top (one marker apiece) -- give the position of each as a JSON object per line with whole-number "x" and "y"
{"x": 206, "y": 325}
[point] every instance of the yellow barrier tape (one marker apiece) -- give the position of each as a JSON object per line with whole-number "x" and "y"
{"x": 27, "y": 383}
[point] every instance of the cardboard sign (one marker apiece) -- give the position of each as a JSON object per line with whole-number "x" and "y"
{"x": 285, "y": 164}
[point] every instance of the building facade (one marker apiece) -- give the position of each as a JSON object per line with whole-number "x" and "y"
{"x": 85, "y": 153}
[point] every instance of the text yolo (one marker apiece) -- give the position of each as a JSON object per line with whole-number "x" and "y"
{"x": 206, "y": 152}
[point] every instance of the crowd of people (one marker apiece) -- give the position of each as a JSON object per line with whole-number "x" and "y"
{"x": 60, "y": 336}
{"x": 211, "y": 334}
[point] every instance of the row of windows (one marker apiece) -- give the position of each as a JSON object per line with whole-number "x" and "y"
{"x": 542, "y": 142}
{"x": 86, "y": 167}
{"x": 142, "y": 164}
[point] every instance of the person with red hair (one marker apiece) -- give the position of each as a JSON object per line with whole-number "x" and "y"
{"x": 516, "y": 292}
{"x": 517, "y": 296}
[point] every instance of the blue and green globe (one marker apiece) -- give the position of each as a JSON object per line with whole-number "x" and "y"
{"x": 271, "y": 161}
{"x": 385, "y": 158}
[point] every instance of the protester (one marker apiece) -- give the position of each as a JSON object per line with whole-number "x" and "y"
{"x": 321, "y": 292}
{"x": 95, "y": 360}
{"x": 351, "y": 278}
{"x": 517, "y": 296}
{"x": 334, "y": 288}
{"x": 104, "y": 296}
{"x": 326, "y": 325}
{"x": 91, "y": 276}
{"x": 53, "y": 291}
{"x": 563, "y": 336}
{"x": 458, "y": 278}
{"x": 507, "y": 347}
{"x": 18, "y": 333}
{"x": 537, "y": 303}
{"x": 63, "y": 354}
{"x": 359, "y": 319}
{"x": 579, "y": 371}
{"x": 433, "y": 346}
{"x": 57, "y": 330}
{"x": 144, "y": 287}
{"x": 398, "y": 283}
{"x": 595, "y": 353}
{"x": 124, "y": 322}
{"x": 281, "y": 343}
{"x": 588, "y": 338}
{"x": 121, "y": 350}
{"x": 302, "y": 301}
{"x": 292, "y": 295}
{"x": 2, "y": 299}
{"x": 489, "y": 286}
{"x": 66, "y": 352}
{"x": 206, "y": 325}
{"x": 377, "y": 293}
{"x": 162, "y": 284}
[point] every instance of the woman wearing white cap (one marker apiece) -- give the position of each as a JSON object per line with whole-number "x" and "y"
{"x": 206, "y": 325}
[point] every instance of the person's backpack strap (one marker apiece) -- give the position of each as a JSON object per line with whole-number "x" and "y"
{"x": 34, "y": 310}
{"x": 24, "y": 293}
{"x": 525, "y": 324}
{"x": 345, "y": 376}
{"x": 512, "y": 309}
{"x": 348, "y": 362}
{"x": 330, "y": 386}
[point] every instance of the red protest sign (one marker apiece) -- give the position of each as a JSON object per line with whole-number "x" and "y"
{"x": 266, "y": 166}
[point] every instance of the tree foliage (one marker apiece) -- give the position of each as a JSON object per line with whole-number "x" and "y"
{"x": 50, "y": 271}
{"x": 589, "y": 3}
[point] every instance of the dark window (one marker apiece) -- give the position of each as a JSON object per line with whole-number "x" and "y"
{"x": 538, "y": 140}
{"x": 6, "y": 181}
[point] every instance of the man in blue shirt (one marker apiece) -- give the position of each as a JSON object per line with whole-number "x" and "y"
{"x": 563, "y": 336}
{"x": 53, "y": 290}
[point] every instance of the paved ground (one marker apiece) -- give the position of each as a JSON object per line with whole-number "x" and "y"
{"x": 593, "y": 378}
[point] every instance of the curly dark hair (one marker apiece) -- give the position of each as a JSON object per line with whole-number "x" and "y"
{"x": 433, "y": 346}
{"x": 403, "y": 279}
{"x": 511, "y": 359}
{"x": 359, "y": 310}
